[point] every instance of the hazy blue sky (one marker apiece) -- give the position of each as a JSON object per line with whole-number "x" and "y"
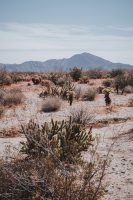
{"x": 44, "y": 29}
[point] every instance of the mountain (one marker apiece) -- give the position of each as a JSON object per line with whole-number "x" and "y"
{"x": 84, "y": 60}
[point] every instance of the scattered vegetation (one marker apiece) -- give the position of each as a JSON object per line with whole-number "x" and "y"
{"x": 95, "y": 74}
{"x": 116, "y": 72}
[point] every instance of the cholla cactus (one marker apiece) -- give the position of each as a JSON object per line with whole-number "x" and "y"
{"x": 107, "y": 91}
{"x": 52, "y": 91}
{"x": 64, "y": 139}
{"x": 67, "y": 87}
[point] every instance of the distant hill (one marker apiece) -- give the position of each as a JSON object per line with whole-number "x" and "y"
{"x": 84, "y": 60}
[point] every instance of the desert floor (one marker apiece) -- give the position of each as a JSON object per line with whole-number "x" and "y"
{"x": 113, "y": 127}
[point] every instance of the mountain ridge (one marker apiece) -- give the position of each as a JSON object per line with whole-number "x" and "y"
{"x": 84, "y": 60}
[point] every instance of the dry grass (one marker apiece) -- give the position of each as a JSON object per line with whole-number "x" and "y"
{"x": 51, "y": 104}
{"x": 81, "y": 115}
{"x": 13, "y": 97}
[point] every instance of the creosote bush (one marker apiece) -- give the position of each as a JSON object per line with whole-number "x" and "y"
{"x": 89, "y": 94}
{"x": 51, "y": 104}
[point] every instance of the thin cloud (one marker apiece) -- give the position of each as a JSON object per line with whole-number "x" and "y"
{"x": 60, "y": 40}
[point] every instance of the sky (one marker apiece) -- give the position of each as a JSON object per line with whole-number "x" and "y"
{"x": 45, "y": 29}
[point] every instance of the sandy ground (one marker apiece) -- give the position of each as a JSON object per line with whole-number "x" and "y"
{"x": 119, "y": 175}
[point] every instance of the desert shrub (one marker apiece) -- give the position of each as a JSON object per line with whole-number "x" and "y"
{"x": 120, "y": 81}
{"x": 107, "y": 83}
{"x": 40, "y": 179}
{"x": 51, "y": 104}
{"x": 78, "y": 92}
{"x": 89, "y": 94}
{"x": 1, "y": 110}
{"x": 81, "y": 115}
{"x": 130, "y": 79}
{"x": 12, "y": 97}
{"x": 61, "y": 81}
{"x": 36, "y": 80}
{"x": 95, "y": 74}
{"x": 100, "y": 89}
{"x": 2, "y": 94}
{"x": 116, "y": 72}
{"x": 130, "y": 103}
{"x": 5, "y": 78}
{"x": 16, "y": 77}
{"x": 128, "y": 89}
{"x": 44, "y": 76}
{"x": 84, "y": 80}
{"x": 76, "y": 73}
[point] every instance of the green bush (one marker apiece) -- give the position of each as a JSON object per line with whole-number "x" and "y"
{"x": 76, "y": 73}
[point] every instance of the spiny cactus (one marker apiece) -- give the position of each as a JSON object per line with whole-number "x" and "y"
{"x": 50, "y": 91}
{"x": 64, "y": 139}
{"x": 67, "y": 87}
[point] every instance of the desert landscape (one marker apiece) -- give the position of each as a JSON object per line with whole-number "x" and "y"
{"x": 66, "y": 100}
{"x": 78, "y": 98}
